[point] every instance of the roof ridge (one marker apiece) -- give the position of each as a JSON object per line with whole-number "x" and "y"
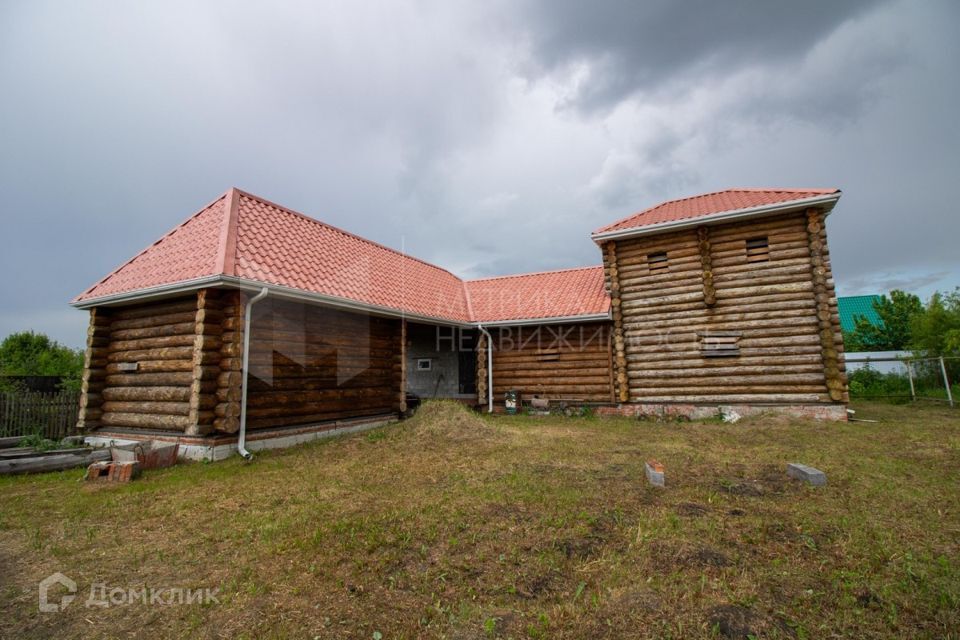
{"x": 150, "y": 246}
{"x": 227, "y": 247}
{"x": 535, "y": 273}
{"x": 466, "y": 296}
{"x": 784, "y": 189}
{"x": 343, "y": 231}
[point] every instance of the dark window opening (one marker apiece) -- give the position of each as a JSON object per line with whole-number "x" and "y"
{"x": 758, "y": 250}
{"x": 657, "y": 262}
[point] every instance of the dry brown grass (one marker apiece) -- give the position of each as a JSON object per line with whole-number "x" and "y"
{"x": 451, "y": 525}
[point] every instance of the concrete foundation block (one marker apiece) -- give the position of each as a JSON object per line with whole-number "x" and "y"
{"x": 655, "y": 473}
{"x": 807, "y": 474}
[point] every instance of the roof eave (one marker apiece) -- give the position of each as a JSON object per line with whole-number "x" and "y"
{"x": 149, "y": 293}
{"x": 827, "y": 201}
{"x": 289, "y": 293}
{"x": 588, "y": 317}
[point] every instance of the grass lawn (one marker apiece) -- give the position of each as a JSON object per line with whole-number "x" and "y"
{"x": 453, "y": 526}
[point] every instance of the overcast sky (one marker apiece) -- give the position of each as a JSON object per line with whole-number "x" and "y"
{"x": 486, "y": 137}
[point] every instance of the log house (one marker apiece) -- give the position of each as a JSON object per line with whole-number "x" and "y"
{"x": 722, "y": 299}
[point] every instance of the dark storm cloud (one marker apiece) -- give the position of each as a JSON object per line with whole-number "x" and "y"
{"x": 488, "y": 138}
{"x": 642, "y": 46}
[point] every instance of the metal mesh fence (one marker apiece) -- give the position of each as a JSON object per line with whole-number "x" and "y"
{"x": 905, "y": 379}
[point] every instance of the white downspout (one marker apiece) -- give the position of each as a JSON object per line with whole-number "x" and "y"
{"x": 242, "y": 441}
{"x": 489, "y": 367}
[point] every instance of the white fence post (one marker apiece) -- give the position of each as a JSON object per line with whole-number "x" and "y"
{"x": 946, "y": 381}
{"x": 913, "y": 391}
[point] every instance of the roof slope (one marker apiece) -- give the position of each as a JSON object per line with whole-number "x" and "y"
{"x": 547, "y": 294}
{"x": 243, "y": 236}
{"x": 277, "y": 246}
{"x": 849, "y": 307}
{"x": 710, "y": 204}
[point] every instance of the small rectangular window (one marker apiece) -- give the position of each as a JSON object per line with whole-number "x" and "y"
{"x": 657, "y": 262}
{"x": 720, "y": 344}
{"x": 423, "y": 364}
{"x": 758, "y": 250}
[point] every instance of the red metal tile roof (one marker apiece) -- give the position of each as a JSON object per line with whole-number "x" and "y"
{"x": 712, "y": 203}
{"x": 547, "y": 294}
{"x": 277, "y": 246}
{"x": 247, "y": 237}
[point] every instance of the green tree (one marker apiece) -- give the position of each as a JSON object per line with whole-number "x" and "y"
{"x": 894, "y": 331}
{"x": 936, "y": 332}
{"x": 34, "y": 354}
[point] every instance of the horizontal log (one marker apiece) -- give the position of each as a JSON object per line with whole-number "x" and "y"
{"x": 572, "y": 356}
{"x": 149, "y": 394}
{"x": 177, "y": 329}
{"x": 147, "y": 408}
{"x": 679, "y": 348}
{"x": 732, "y": 398}
{"x": 286, "y": 399}
{"x": 554, "y": 389}
{"x": 321, "y": 334}
{"x": 152, "y": 343}
{"x": 780, "y": 256}
{"x": 153, "y": 366}
{"x": 754, "y": 227}
{"x": 169, "y": 353}
{"x": 320, "y": 353}
{"x": 773, "y": 360}
{"x": 160, "y": 422}
{"x": 727, "y": 303}
{"x": 179, "y": 305}
{"x": 45, "y": 463}
{"x": 660, "y": 380}
{"x": 332, "y": 407}
{"x": 765, "y": 326}
{"x": 154, "y": 321}
{"x": 692, "y": 390}
{"x": 601, "y": 368}
{"x": 814, "y": 371}
{"x": 725, "y": 315}
{"x": 171, "y": 379}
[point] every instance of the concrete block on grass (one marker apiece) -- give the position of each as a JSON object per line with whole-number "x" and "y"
{"x": 655, "y": 473}
{"x": 807, "y": 474}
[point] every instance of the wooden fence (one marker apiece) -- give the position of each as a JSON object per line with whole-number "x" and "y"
{"x": 54, "y": 415}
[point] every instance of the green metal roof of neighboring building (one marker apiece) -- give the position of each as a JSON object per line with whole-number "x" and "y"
{"x": 852, "y": 306}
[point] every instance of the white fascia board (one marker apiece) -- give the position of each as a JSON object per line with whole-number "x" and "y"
{"x": 161, "y": 291}
{"x": 592, "y": 317}
{"x": 276, "y": 291}
{"x": 828, "y": 200}
{"x": 289, "y": 293}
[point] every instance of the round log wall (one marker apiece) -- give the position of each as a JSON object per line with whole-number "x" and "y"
{"x": 790, "y": 349}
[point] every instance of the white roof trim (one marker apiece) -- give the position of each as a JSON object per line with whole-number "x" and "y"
{"x": 160, "y": 291}
{"x": 827, "y": 200}
{"x": 290, "y": 293}
{"x": 589, "y": 317}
